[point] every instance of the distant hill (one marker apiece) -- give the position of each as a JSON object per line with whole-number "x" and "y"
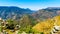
{"x": 46, "y": 13}
{"x": 13, "y": 12}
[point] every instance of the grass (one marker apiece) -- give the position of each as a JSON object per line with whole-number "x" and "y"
{"x": 0, "y": 28}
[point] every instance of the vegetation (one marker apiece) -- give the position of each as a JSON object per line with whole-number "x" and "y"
{"x": 47, "y": 25}
{"x": 29, "y": 25}
{"x": 40, "y": 22}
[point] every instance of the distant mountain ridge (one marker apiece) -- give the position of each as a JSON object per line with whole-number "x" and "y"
{"x": 47, "y": 13}
{"x": 53, "y": 8}
{"x": 11, "y": 11}
{"x": 16, "y": 12}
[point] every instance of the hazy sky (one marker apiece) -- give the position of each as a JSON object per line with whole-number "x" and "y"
{"x": 32, "y": 4}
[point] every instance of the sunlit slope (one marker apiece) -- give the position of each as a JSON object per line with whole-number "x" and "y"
{"x": 57, "y": 20}
{"x": 47, "y": 25}
{"x": 44, "y": 26}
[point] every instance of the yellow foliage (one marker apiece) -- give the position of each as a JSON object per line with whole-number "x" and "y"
{"x": 44, "y": 26}
{"x": 47, "y": 25}
{"x": 57, "y": 20}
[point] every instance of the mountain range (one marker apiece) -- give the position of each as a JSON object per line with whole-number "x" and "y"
{"x": 12, "y": 11}
{"x": 17, "y": 12}
{"x": 46, "y": 13}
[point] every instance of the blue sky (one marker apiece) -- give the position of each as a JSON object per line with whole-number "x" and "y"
{"x": 32, "y": 4}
